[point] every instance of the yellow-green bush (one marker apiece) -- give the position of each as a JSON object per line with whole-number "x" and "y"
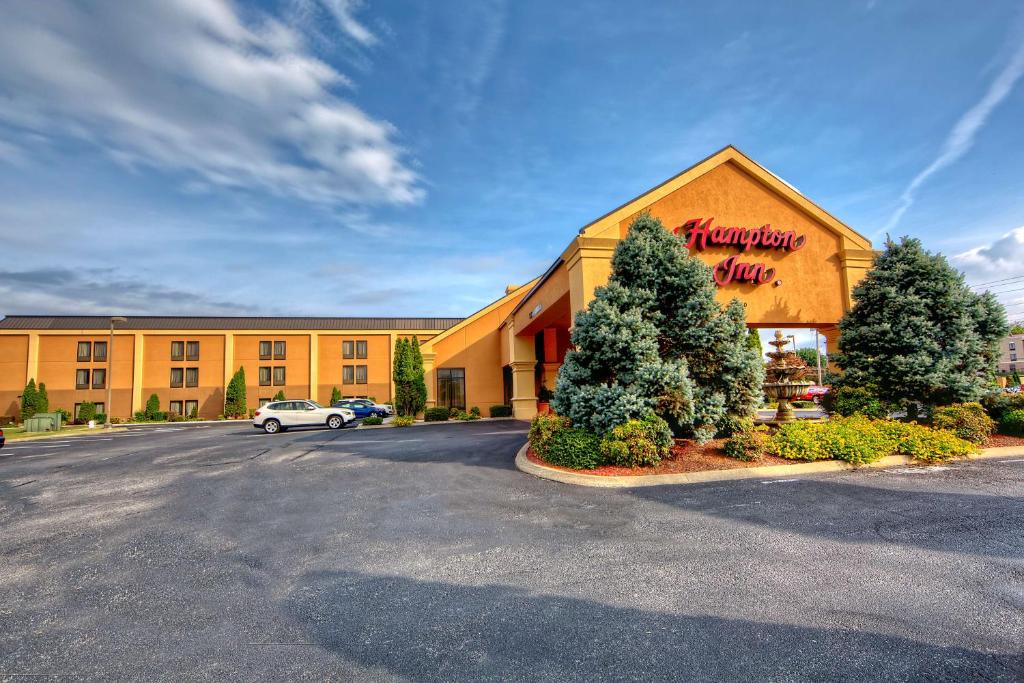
{"x": 968, "y": 421}
{"x": 859, "y": 440}
{"x": 637, "y": 443}
{"x": 403, "y": 421}
{"x": 1012, "y": 423}
{"x": 748, "y": 444}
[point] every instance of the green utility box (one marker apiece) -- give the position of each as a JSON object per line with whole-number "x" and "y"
{"x": 43, "y": 422}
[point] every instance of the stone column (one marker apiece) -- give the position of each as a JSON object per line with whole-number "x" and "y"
{"x": 524, "y": 390}
{"x": 831, "y": 335}
{"x": 138, "y": 351}
{"x": 429, "y": 378}
{"x": 32, "y": 364}
{"x": 314, "y": 366}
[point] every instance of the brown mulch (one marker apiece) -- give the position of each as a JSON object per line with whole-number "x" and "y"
{"x": 997, "y": 440}
{"x": 686, "y": 456}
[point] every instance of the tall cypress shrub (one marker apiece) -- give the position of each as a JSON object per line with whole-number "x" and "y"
{"x": 335, "y": 395}
{"x": 418, "y": 385}
{"x": 401, "y": 372}
{"x": 42, "y": 399}
{"x": 153, "y": 407}
{"x": 235, "y": 404}
{"x": 29, "y": 400}
{"x": 917, "y": 334}
{"x": 656, "y": 339}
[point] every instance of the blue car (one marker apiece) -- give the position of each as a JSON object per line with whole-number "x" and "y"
{"x": 361, "y": 407}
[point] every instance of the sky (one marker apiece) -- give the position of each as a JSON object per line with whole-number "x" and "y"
{"x": 347, "y": 157}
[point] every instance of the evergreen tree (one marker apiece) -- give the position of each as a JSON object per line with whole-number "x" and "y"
{"x": 917, "y": 333}
{"x": 401, "y": 374}
{"x": 655, "y": 339}
{"x": 418, "y": 384}
{"x": 42, "y": 399}
{"x": 1017, "y": 328}
{"x": 153, "y": 407}
{"x": 279, "y": 396}
{"x": 808, "y": 356}
{"x": 235, "y": 404}
{"x": 29, "y": 400}
{"x": 754, "y": 342}
{"x": 335, "y": 395}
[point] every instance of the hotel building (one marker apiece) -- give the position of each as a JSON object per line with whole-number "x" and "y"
{"x": 792, "y": 264}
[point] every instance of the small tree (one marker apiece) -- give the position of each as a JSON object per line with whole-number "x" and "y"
{"x": 917, "y": 334}
{"x": 86, "y": 412}
{"x": 1017, "y": 328}
{"x": 153, "y": 407}
{"x": 808, "y": 356}
{"x": 1015, "y": 379}
{"x": 754, "y": 342}
{"x": 235, "y": 404}
{"x": 279, "y": 396}
{"x": 335, "y": 395}
{"x": 42, "y": 399}
{"x": 408, "y": 374}
{"x": 29, "y": 400}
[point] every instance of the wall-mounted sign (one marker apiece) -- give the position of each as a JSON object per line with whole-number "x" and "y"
{"x": 700, "y": 235}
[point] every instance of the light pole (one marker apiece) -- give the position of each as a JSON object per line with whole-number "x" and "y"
{"x": 110, "y": 368}
{"x": 817, "y": 351}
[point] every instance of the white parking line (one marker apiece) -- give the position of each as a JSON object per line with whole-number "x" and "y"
{"x": 778, "y": 481}
{"x": 55, "y": 445}
{"x": 506, "y": 432}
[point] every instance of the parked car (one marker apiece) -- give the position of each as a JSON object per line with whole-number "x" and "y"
{"x": 813, "y": 393}
{"x": 364, "y": 407}
{"x": 280, "y": 416}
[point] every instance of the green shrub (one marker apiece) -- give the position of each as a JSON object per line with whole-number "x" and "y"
{"x": 847, "y": 401}
{"x": 175, "y": 417}
{"x": 139, "y": 416}
{"x": 967, "y": 421}
{"x": 574, "y": 448}
{"x": 748, "y": 444}
{"x": 454, "y": 412}
{"x": 467, "y": 417}
{"x": 501, "y": 411}
{"x": 65, "y": 416}
{"x": 279, "y": 396}
{"x": 542, "y": 428}
{"x": 1012, "y": 423}
{"x": 403, "y": 421}
{"x": 373, "y": 420}
{"x": 152, "y": 407}
{"x": 29, "y": 400}
{"x": 335, "y": 395}
{"x": 804, "y": 404}
{"x": 101, "y": 418}
{"x": 475, "y": 410}
{"x": 637, "y": 443}
{"x": 116, "y": 420}
{"x": 234, "y": 396}
{"x": 435, "y": 414}
{"x": 86, "y": 412}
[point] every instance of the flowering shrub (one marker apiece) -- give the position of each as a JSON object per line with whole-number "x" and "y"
{"x": 924, "y": 443}
{"x": 403, "y": 421}
{"x": 542, "y": 428}
{"x": 637, "y": 443}
{"x": 967, "y": 420}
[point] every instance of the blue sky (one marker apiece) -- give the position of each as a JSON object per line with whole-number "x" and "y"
{"x": 336, "y": 157}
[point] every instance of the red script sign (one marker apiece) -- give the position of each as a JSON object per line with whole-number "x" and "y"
{"x": 700, "y": 235}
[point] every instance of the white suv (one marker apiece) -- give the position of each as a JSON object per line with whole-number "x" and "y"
{"x": 280, "y": 415}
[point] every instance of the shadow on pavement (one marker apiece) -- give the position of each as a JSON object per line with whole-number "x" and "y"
{"x": 427, "y": 630}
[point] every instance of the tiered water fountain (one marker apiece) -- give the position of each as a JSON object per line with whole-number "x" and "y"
{"x": 784, "y": 378}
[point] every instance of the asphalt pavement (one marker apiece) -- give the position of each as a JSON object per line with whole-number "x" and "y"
{"x": 218, "y": 552}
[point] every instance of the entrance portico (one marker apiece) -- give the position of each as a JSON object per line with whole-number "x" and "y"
{"x": 791, "y": 263}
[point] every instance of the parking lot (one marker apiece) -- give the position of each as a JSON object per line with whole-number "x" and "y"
{"x": 216, "y": 551}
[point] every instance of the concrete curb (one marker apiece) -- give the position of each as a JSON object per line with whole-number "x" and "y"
{"x": 641, "y": 480}
{"x": 421, "y": 423}
{"x": 98, "y": 431}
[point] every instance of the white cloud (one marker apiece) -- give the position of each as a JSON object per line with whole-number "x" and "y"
{"x": 961, "y": 137}
{"x": 189, "y": 85}
{"x": 1000, "y": 259}
{"x": 343, "y": 12}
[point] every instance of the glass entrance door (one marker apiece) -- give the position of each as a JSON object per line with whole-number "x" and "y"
{"x": 451, "y": 388}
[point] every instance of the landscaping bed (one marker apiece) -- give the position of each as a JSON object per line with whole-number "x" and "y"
{"x": 684, "y": 456}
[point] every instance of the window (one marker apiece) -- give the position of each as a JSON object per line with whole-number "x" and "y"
{"x": 348, "y": 349}
{"x": 192, "y": 350}
{"x": 1013, "y": 346}
{"x": 279, "y": 376}
{"x": 1013, "y": 356}
{"x": 279, "y": 347}
{"x": 81, "y": 379}
{"x": 451, "y": 388}
{"x": 84, "y": 351}
{"x": 361, "y": 349}
{"x": 191, "y": 407}
{"x": 265, "y": 353}
{"x": 177, "y": 350}
{"x": 177, "y": 377}
{"x": 99, "y": 352}
{"x": 360, "y": 374}
{"x": 191, "y": 377}
{"x": 264, "y": 377}
{"x": 348, "y": 374}
{"x": 175, "y": 407}
{"x": 265, "y": 401}
{"x": 99, "y": 379}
